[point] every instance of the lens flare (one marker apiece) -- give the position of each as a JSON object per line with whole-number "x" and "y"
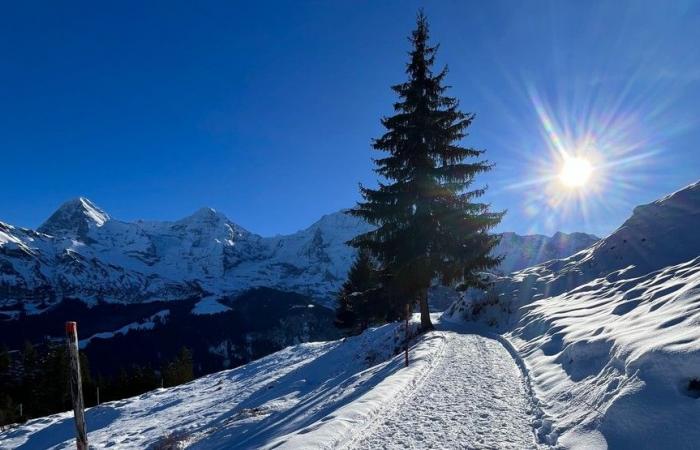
{"x": 582, "y": 159}
{"x": 575, "y": 172}
{"x": 617, "y": 114}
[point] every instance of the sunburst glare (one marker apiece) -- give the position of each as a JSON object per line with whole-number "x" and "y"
{"x": 591, "y": 155}
{"x": 575, "y": 172}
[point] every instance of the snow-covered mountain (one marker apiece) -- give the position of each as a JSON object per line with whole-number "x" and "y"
{"x": 521, "y": 251}
{"x": 81, "y": 252}
{"x": 657, "y": 235}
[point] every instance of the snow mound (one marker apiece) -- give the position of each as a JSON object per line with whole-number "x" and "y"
{"x": 620, "y": 357}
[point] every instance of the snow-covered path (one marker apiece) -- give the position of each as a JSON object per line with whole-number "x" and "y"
{"x": 474, "y": 398}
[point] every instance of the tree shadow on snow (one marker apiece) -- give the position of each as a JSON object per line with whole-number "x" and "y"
{"x": 64, "y": 430}
{"x": 311, "y": 392}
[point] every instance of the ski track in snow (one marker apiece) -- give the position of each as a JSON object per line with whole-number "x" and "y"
{"x": 474, "y": 398}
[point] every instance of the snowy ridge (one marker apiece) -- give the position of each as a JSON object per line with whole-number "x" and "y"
{"x": 95, "y": 258}
{"x": 657, "y": 235}
{"x": 74, "y": 219}
{"x": 520, "y": 251}
{"x": 149, "y": 324}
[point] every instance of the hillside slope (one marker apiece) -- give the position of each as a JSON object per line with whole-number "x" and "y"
{"x": 657, "y": 235}
{"x": 324, "y": 395}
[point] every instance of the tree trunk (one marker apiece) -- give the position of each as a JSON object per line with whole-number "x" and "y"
{"x": 425, "y": 323}
{"x": 406, "y": 337}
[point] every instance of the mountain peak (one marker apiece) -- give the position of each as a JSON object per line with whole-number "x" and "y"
{"x": 74, "y": 218}
{"x": 205, "y": 214}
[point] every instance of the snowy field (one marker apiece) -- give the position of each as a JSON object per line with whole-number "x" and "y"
{"x": 460, "y": 391}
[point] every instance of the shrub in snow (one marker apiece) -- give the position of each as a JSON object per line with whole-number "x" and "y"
{"x": 693, "y": 388}
{"x": 176, "y": 440}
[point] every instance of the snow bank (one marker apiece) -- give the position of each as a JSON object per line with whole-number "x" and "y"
{"x": 616, "y": 357}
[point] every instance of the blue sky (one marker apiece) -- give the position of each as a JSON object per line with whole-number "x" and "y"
{"x": 266, "y": 111}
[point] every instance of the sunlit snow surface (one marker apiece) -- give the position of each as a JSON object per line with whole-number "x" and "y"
{"x": 615, "y": 357}
{"x": 460, "y": 391}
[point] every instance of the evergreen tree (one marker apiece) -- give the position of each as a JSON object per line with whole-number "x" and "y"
{"x": 4, "y": 359}
{"x": 429, "y": 222}
{"x": 358, "y": 300}
{"x": 180, "y": 370}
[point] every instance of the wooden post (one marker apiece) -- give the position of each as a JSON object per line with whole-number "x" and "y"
{"x": 408, "y": 313}
{"x": 76, "y": 386}
{"x": 98, "y": 396}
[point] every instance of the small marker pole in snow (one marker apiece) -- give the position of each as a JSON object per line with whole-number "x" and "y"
{"x": 76, "y": 386}
{"x": 408, "y": 312}
{"x": 98, "y": 396}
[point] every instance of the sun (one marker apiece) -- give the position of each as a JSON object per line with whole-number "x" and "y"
{"x": 575, "y": 172}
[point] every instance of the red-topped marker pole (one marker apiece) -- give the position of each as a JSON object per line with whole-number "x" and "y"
{"x": 76, "y": 386}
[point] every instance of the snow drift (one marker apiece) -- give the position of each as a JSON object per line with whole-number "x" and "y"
{"x": 620, "y": 357}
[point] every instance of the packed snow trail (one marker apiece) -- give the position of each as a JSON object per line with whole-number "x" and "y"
{"x": 474, "y": 398}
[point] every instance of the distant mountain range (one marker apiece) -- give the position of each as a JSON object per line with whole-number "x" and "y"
{"x": 80, "y": 252}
